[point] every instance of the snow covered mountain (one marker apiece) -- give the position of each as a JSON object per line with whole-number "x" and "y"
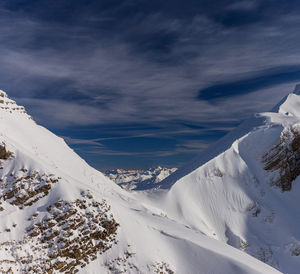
{"x": 244, "y": 190}
{"x": 59, "y": 215}
{"x": 139, "y": 179}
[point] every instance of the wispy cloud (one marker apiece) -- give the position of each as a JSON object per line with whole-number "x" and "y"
{"x": 88, "y": 142}
{"x": 152, "y": 67}
{"x": 244, "y": 5}
{"x": 95, "y": 147}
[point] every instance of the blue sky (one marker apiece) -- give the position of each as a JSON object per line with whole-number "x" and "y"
{"x": 134, "y": 84}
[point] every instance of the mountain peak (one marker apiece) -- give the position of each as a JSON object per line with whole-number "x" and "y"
{"x": 8, "y": 105}
{"x": 290, "y": 105}
{"x": 3, "y": 93}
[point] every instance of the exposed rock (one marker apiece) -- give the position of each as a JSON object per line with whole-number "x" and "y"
{"x": 285, "y": 157}
{"x": 4, "y": 153}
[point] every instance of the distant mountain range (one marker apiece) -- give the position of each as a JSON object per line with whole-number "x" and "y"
{"x": 139, "y": 179}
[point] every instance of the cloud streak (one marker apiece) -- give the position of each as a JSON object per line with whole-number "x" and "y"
{"x": 155, "y": 66}
{"x": 127, "y": 84}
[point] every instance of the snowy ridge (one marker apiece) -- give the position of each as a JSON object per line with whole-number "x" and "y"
{"x": 244, "y": 191}
{"x": 60, "y": 215}
{"x": 288, "y": 106}
{"x": 213, "y": 151}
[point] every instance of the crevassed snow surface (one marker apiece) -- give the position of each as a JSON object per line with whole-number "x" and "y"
{"x": 184, "y": 229}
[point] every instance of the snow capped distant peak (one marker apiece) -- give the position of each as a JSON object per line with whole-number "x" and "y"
{"x": 139, "y": 179}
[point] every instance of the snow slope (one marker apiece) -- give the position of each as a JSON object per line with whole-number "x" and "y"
{"x": 244, "y": 191}
{"x": 139, "y": 179}
{"x": 60, "y": 215}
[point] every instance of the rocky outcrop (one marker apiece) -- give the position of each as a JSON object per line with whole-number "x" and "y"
{"x": 284, "y": 157}
{"x": 65, "y": 238}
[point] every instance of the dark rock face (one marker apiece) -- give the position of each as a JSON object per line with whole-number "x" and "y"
{"x": 68, "y": 235}
{"x": 285, "y": 157}
{"x": 4, "y": 154}
{"x": 27, "y": 189}
{"x": 74, "y": 233}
